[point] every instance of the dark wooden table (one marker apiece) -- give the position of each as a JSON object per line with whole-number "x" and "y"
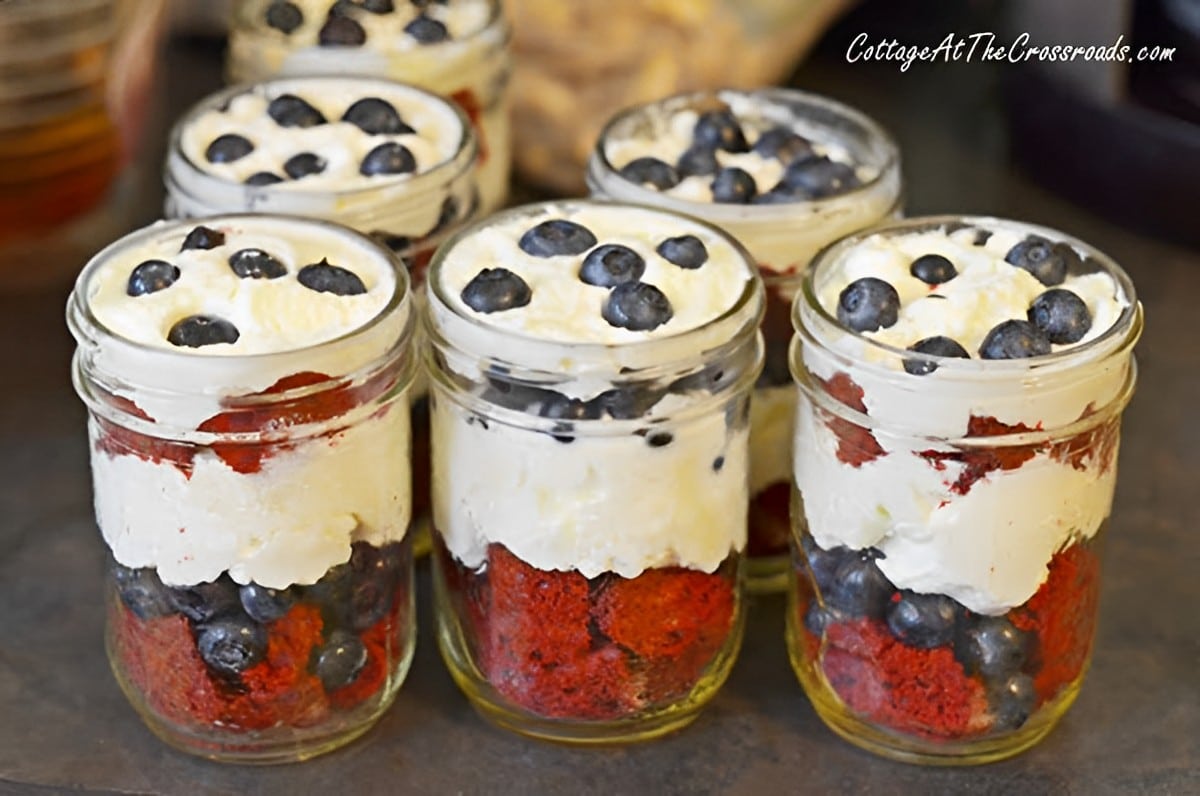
{"x": 64, "y": 725}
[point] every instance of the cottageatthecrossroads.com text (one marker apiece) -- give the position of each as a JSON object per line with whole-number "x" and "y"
{"x": 983, "y": 47}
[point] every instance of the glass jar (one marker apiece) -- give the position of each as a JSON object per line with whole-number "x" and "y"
{"x": 588, "y": 563}
{"x": 782, "y": 238}
{"x": 472, "y": 69}
{"x": 255, "y": 505}
{"x": 948, "y": 511}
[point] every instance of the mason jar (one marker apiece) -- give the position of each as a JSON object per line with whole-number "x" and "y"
{"x": 819, "y": 170}
{"x": 459, "y": 50}
{"x": 246, "y": 382}
{"x": 589, "y": 479}
{"x": 955, "y": 461}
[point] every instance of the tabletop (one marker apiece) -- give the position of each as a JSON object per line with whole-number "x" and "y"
{"x": 65, "y": 726}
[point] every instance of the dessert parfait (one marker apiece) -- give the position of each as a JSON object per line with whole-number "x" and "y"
{"x": 246, "y": 380}
{"x": 455, "y": 48}
{"x": 785, "y": 173}
{"x": 590, "y": 373}
{"x": 962, "y": 382}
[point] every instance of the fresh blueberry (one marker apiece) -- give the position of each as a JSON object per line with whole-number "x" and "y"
{"x": 933, "y": 269}
{"x": 375, "y": 572}
{"x": 142, "y": 592}
{"x": 375, "y": 116}
{"x": 563, "y": 408}
{"x": 389, "y": 158}
{"x": 610, "y": 265}
{"x": 496, "y": 290}
{"x": 1013, "y": 702}
{"x": 818, "y": 177}
{"x": 1061, "y": 315}
{"x": 256, "y": 264}
{"x": 342, "y": 8}
{"x": 733, "y": 186}
{"x": 991, "y": 646}
{"x": 340, "y": 31}
{"x": 151, "y": 276}
{"x": 1047, "y": 261}
{"x": 556, "y": 237}
{"x": 203, "y": 238}
{"x": 922, "y": 620}
{"x": 303, "y": 164}
{"x": 332, "y": 595}
{"x": 636, "y": 306}
{"x": 824, "y": 564}
{"x": 858, "y": 587}
{"x": 515, "y": 395}
{"x": 981, "y": 237}
{"x": 778, "y": 195}
{"x": 195, "y": 331}
{"x": 324, "y": 277}
{"x": 939, "y": 346}
{"x": 397, "y": 243}
{"x": 231, "y": 645}
{"x": 720, "y": 130}
{"x": 378, "y": 6}
{"x": 263, "y": 178}
{"x": 627, "y": 403}
{"x": 1014, "y": 340}
{"x": 284, "y": 17}
{"x": 206, "y": 601}
{"x": 686, "y": 251}
{"x": 697, "y": 160}
{"x": 783, "y": 144}
{"x": 651, "y": 171}
{"x": 868, "y": 304}
{"x": 265, "y": 605}
{"x": 818, "y": 618}
{"x": 340, "y": 659}
{"x": 288, "y": 110}
{"x": 659, "y": 439}
{"x": 427, "y": 30}
{"x": 228, "y": 148}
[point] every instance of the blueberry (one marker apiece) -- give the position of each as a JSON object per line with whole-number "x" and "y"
{"x": 1014, "y": 340}
{"x": 818, "y": 177}
{"x": 1047, "y": 261}
{"x": 779, "y": 195}
{"x": 922, "y": 620}
{"x": 651, "y": 171}
{"x": 265, "y": 605}
{"x": 555, "y": 237}
{"x": 818, "y": 618}
{"x": 231, "y": 645}
{"x": 733, "y": 186}
{"x": 868, "y": 304}
{"x": 303, "y": 164}
{"x": 397, "y": 243}
{"x": 288, "y": 110}
{"x": 496, "y": 290}
{"x": 332, "y": 595}
{"x": 378, "y": 6}
{"x": 340, "y": 659}
{"x": 659, "y": 439}
{"x": 325, "y": 277}
{"x": 256, "y": 264}
{"x": 427, "y": 30}
{"x": 783, "y": 144}
{"x": 686, "y": 251}
{"x": 151, "y": 276}
{"x": 142, "y": 592}
{"x": 263, "y": 178}
{"x": 389, "y": 158}
{"x": 203, "y": 238}
{"x": 697, "y": 160}
{"x": 375, "y": 116}
{"x": 937, "y": 345}
{"x": 610, "y": 265}
{"x": 719, "y": 130}
{"x": 515, "y": 395}
{"x": 981, "y": 237}
{"x": 933, "y": 269}
{"x": 375, "y": 573}
{"x": 1013, "y": 702}
{"x": 1061, "y": 315}
{"x": 566, "y": 409}
{"x": 228, "y": 148}
{"x": 627, "y": 403}
{"x": 206, "y": 601}
{"x": 636, "y": 306}
{"x": 823, "y": 563}
{"x": 195, "y": 331}
{"x": 284, "y": 17}
{"x": 858, "y": 587}
{"x": 339, "y": 31}
{"x": 991, "y": 646}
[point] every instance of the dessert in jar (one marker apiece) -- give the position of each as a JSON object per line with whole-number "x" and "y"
{"x": 962, "y": 382}
{"x": 590, "y": 366}
{"x": 246, "y": 380}
{"x": 785, "y": 173}
{"x": 456, "y": 48}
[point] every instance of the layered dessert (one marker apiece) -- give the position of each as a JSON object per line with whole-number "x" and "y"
{"x": 955, "y": 463}
{"x": 247, "y": 385}
{"x": 785, "y": 173}
{"x": 591, "y": 372}
{"x": 456, "y": 48}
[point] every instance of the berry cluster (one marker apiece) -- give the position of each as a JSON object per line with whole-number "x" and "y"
{"x": 342, "y": 28}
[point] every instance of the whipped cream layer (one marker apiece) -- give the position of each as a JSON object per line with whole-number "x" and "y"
{"x": 985, "y": 540}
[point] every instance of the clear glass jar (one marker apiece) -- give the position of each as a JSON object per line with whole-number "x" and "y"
{"x": 782, "y": 238}
{"x": 473, "y": 69}
{"x": 255, "y": 507}
{"x": 561, "y": 614}
{"x": 948, "y": 517}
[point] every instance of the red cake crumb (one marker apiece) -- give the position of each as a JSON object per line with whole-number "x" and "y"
{"x": 160, "y": 660}
{"x": 280, "y": 689}
{"x": 769, "y": 526}
{"x": 981, "y": 461}
{"x": 667, "y": 613}
{"x": 856, "y": 445}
